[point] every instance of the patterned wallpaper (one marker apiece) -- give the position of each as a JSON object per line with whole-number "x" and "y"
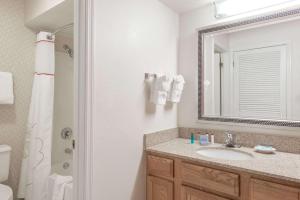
{"x": 17, "y": 49}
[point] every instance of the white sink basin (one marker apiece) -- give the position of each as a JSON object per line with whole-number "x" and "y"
{"x": 225, "y": 154}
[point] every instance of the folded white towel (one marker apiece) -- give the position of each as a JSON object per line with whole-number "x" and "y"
{"x": 159, "y": 90}
{"x": 56, "y": 186}
{"x": 174, "y": 95}
{"x": 68, "y": 191}
{"x": 6, "y": 88}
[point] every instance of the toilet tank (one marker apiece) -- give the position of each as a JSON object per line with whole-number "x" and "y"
{"x": 4, "y": 162}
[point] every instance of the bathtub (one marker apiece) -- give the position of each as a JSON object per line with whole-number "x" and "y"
{"x": 65, "y": 169}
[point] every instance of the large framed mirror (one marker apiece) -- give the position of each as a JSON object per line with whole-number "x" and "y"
{"x": 249, "y": 71}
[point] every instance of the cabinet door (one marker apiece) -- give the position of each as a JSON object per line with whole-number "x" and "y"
{"x": 263, "y": 190}
{"x": 159, "y": 189}
{"x": 161, "y": 167}
{"x": 188, "y": 193}
{"x": 212, "y": 179}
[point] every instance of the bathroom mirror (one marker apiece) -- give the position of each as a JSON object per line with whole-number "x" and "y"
{"x": 249, "y": 71}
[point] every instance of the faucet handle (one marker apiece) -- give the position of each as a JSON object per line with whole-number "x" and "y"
{"x": 229, "y": 135}
{"x": 229, "y": 139}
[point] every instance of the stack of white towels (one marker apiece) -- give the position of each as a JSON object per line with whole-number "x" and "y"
{"x": 60, "y": 187}
{"x": 165, "y": 88}
{"x": 6, "y": 88}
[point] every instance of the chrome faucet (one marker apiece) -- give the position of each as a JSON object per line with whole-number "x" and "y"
{"x": 230, "y": 140}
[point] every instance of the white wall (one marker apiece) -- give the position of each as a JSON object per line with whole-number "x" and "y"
{"x": 49, "y": 15}
{"x": 188, "y": 66}
{"x": 34, "y": 8}
{"x": 130, "y": 38}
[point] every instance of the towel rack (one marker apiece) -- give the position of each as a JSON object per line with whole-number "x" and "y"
{"x": 150, "y": 75}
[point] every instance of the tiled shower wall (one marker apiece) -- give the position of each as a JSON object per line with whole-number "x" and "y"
{"x": 63, "y": 100}
{"x": 17, "y": 49}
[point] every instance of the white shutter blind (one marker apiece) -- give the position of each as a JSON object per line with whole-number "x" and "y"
{"x": 261, "y": 81}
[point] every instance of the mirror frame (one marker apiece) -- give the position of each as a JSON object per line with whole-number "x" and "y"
{"x": 276, "y": 17}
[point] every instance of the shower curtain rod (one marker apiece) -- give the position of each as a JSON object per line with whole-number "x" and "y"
{"x": 60, "y": 29}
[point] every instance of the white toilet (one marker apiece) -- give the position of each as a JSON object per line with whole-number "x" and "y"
{"x": 6, "y": 192}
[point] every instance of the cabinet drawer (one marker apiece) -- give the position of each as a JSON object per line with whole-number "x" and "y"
{"x": 159, "y": 189}
{"x": 188, "y": 193}
{"x": 263, "y": 190}
{"x": 220, "y": 181}
{"x": 162, "y": 167}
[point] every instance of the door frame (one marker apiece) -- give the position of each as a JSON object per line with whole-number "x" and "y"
{"x": 83, "y": 100}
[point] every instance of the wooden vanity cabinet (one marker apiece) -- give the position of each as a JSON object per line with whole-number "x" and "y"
{"x": 159, "y": 189}
{"x": 160, "y": 167}
{"x": 160, "y": 183}
{"x": 212, "y": 179}
{"x": 176, "y": 179}
{"x": 264, "y": 190}
{"x": 188, "y": 193}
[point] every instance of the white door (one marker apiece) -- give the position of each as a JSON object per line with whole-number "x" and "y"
{"x": 260, "y": 83}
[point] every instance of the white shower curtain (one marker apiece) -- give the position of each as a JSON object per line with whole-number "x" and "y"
{"x": 36, "y": 165}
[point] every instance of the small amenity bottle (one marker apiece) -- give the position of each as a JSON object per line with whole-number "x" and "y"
{"x": 212, "y": 139}
{"x": 204, "y": 139}
{"x": 192, "y": 138}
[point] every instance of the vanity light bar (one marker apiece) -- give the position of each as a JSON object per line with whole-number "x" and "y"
{"x": 226, "y": 8}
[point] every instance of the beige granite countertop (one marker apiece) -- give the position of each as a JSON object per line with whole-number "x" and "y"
{"x": 279, "y": 165}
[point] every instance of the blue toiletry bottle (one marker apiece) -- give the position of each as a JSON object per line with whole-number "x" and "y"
{"x": 192, "y": 138}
